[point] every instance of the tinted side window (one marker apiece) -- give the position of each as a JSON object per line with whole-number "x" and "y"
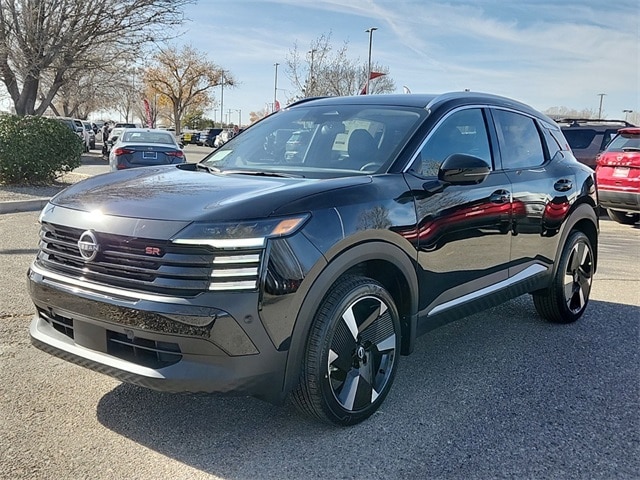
{"x": 553, "y": 145}
{"x": 463, "y": 131}
{"x": 520, "y": 144}
{"x": 579, "y": 138}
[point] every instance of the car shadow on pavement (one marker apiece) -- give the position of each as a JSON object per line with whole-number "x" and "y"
{"x": 93, "y": 158}
{"x": 501, "y": 392}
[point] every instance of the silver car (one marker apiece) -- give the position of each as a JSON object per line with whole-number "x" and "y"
{"x": 140, "y": 147}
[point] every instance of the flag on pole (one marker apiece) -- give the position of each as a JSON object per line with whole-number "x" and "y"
{"x": 276, "y": 107}
{"x": 371, "y": 77}
{"x": 147, "y": 110}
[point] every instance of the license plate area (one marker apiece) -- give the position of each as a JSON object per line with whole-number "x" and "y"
{"x": 149, "y": 155}
{"x": 621, "y": 172}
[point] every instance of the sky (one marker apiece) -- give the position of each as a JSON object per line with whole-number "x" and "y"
{"x": 544, "y": 53}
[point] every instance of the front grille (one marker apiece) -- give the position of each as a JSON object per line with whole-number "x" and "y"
{"x": 142, "y": 351}
{"x": 146, "y": 265}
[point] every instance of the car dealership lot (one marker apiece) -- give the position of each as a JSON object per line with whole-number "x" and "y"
{"x": 498, "y": 394}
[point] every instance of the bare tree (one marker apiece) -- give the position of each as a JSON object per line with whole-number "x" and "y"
{"x": 321, "y": 71}
{"x": 566, "y": 112}
{"x": 53, "y": 38}
{"x": 113, "y": 86}
{"x": 185, "y": 80}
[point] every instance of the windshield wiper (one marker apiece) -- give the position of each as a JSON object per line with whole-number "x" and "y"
{"x": 261, "y": 173}
{"x": 208, "y": 168}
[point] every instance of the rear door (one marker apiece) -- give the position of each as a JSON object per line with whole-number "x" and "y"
{"x": 543, "y": 189}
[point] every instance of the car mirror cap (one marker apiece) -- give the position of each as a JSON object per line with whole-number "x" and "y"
{"x": 463, "y": 169}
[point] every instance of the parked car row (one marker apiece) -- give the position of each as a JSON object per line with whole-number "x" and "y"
{"x": 209, "y": 137}
{"x": 76, "y": 125}
{"x": 588, "y": 137}
{"x": 618, "y": 176}
{"x": 612, "y": 149}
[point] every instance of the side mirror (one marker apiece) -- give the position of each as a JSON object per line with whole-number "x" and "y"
{"x": 462, "y": 169}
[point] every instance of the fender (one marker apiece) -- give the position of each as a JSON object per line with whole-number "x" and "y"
{"x": 327, "y": 276}
{"x": 584, "y": 211}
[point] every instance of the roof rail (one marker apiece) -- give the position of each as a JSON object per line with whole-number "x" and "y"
{"x": 574, "y": 122}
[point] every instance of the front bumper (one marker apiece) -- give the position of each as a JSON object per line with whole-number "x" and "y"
{"x": 165, "y": 346}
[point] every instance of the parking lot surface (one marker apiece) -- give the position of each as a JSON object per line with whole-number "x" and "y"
{"x": 500, "y": 394}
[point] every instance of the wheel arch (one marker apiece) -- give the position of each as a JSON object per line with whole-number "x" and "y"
{"x": 381, "y": 261}
{"x": 584, "y": 219}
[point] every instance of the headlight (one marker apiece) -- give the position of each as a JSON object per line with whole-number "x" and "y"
{"x": 246, "y": 234}
{"x": 236, "y": 264}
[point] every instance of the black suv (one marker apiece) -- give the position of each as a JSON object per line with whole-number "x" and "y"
{"x": 588, "y": 137}
{"x": 267, "y": 274}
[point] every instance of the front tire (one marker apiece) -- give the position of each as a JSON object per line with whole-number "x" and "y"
{"x": 625, "y": 218}
{"x": 566, "y": 299}
{"x": 352, "y": 353}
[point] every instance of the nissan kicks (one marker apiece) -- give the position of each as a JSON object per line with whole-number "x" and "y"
{"x": 307, "y": 276}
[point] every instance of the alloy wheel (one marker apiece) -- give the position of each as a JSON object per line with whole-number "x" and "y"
{"x": 362, "y": 353}
{"x": 578, "y": 277}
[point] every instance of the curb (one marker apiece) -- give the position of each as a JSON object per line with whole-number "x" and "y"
{"x": 15, "y": 206}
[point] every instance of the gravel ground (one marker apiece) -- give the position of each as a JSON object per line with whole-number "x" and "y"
{"x": 28, "y": 192}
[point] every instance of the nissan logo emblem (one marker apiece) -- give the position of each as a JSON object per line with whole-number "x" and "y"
{"x": 88, "y": 246}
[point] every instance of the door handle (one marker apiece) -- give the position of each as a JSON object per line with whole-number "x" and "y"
{"x": 563, "y": 185}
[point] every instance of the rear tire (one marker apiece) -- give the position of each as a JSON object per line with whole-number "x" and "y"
{"x": 352, "y": 353}
{"x": 566, "y": 299}
{"x": 625, "y": 218}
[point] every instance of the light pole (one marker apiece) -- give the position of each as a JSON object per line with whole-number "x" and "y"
{"x": 222, "y": 100}
{"x": 601, "y": 95}
{"x": 309, "y": 88}
{"x": 275, "y": 88}
{"x": 370, "y": 31}
{"x": 626, "y": 114}
{"x": 239, "y": 118}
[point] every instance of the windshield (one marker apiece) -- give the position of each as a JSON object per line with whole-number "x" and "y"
{"x": 321, "y": 141}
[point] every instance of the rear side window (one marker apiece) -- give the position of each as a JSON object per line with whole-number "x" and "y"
{"x": 520, "y": 144}
{"x": 579, "y": 139}
{"x": 554, "y": 142}
{"x": 607, "y": 137}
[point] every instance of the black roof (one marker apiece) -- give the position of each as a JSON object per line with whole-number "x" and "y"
{"x": 427, "y": 101}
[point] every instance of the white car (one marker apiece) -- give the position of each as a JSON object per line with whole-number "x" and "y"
{"x": 82, "y": 133}
{"x": 92, "y": 135}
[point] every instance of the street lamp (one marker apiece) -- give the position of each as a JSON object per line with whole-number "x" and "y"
{"x": 601, "y": 95}
{"x": 309, "y": 87}
{"x": 370, "y": 31}
{"x": 275, "y": 88}
{"x": 626, "y": 114}
{"x": 239, "y": 118}
{"x": 222, "y": 99}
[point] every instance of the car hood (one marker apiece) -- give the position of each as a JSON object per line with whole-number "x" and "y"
{"x": 173, "y": 193}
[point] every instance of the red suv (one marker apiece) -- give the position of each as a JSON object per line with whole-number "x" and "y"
{"x": 618, "y": 176}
